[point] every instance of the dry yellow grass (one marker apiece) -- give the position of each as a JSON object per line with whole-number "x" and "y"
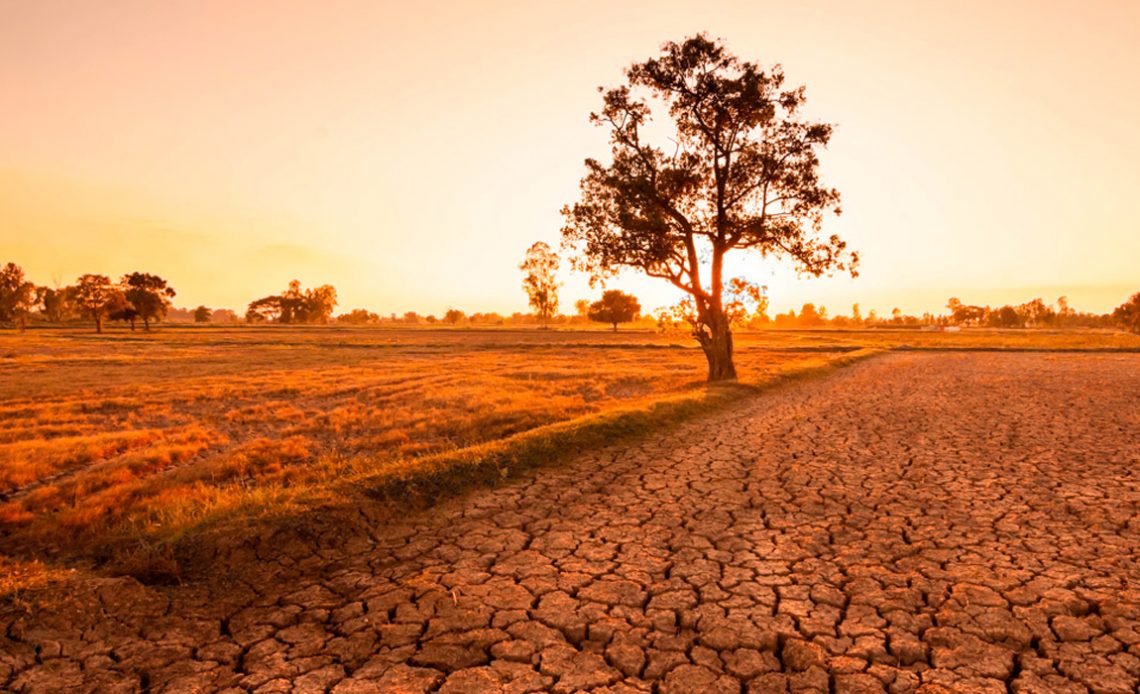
{"x": 115, "y": 440}
{"x": 105, "y": 435}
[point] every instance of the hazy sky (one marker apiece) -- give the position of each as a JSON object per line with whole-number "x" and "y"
{"x": 409, "y": 153}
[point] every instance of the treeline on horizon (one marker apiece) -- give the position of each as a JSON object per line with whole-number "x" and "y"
{"x": 147, "y": 298}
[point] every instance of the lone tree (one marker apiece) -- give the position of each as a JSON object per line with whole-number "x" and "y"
{"x": 738, "y": 171}
{"x": 540, "y": 267}
{"x": 96, "y": 297}
{"x": 17, "y": 295}
{"x": 294, "y": 305}
{"x": 203, "y": 314}
{"x": 614, "y": 307}
{"x": 149, "y": 295}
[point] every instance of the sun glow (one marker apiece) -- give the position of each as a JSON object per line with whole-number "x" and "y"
{"x": 409, "y": 155}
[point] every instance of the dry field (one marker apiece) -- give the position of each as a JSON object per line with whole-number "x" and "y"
{"x": 114, "y": 445}
{"x": 920, "y": 522}
{"x": 114, "y": 440}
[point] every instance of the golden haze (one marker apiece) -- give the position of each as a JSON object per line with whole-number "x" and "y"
{"x": 409, "y": 153}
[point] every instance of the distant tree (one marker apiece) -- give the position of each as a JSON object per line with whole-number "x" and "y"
{"x": 809, "y": 316}
{"x": 1036, "y": 313}
{"x": 118, "y": 308}
{"x": 96, "y": 297}
{"x": 739, "y": 171}
{"x": 411, "y": 317}
{"x": 614, "y": 307}
{"x": 453, "y": 316}
{"x": 264, "y": 310}
{"x": 786, "y": 320}
{"x": 431, "y": 320}
{"x": 358, "y": 316}
{"x": 294, "y": 305}
{"x": 539, "y": 270}
{"x": 961, "y": 314}
{"x": 1127, "y": 315}
{"x": 491, "y": 318}
{"x": 202, "y": 314}
{"x": 57, "y": 304}
{"x": 148, "y": 295}
{"x": 17, "y": 296}
{"x": 224, "y": 315}
{"x": 319, "y": 304}
{"x": 1006, "y": 317}
{"x": 856, "y": 316}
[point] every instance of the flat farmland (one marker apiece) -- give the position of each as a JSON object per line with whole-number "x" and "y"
{"x": 919, "y": 523}
{"x": 108, "y": 438}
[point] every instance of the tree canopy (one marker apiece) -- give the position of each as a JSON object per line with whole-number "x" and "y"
{"x": 148, "y": 295}
{"x": 1128, "y": 314}
{"x": 96, "y": 297}
{"x": 614, "y": 307}
{"x": 17, "y": 295}
{"x": 739, "y": 171}
{"x": 294, "y": 305}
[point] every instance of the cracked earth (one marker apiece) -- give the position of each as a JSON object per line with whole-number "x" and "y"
{"x": 919, "y": 522}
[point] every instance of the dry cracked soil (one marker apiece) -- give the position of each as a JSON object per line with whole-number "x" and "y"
{"x": 918, "y": 522}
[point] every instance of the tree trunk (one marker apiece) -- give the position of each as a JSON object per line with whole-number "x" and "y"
{"x": 146, "y": 324}
{"x": 98, "y": 323}
{"x": 615, "y": 327}
{"x": 132, "y": 325}
{"x": 717, "y": 345}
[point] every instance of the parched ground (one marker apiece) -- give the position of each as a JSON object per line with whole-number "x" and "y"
{"x": 919, "y": 522}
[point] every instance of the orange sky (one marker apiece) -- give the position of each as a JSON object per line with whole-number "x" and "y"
{"x": 409, "y": 153}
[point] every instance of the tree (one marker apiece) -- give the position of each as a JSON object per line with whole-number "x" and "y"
{"x": 95, "y": 295}
{"x": 17, "y": 296}
{"x": 264, "y": 310}
{"x": 1006, "y": 317}
{"x": 614, "y": 307}
{"x": 57, "y": 304}
{"x": 961, "y": 314}
{"x": 294, "y": 305}
{"x": 202, "y": 314}
{"x": 1127, "y": 315}
{"x": 1036, "y": 313}
{"x": 540, "y": 267}
{"x": 358, "y": 316}
{"x": 319, "y": 304}
{"x": 149, "y": 295}
{"x": 743, "y": 303}
{"x": 739, "y": 172}
{"x": 118, "y": 308}
{"x": 809, "y": 316}
{"x": 453, "y": 316}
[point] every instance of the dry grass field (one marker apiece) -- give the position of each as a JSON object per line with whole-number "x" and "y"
{"x": 125, "y": 440}
{"x": 107, "y": 438}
